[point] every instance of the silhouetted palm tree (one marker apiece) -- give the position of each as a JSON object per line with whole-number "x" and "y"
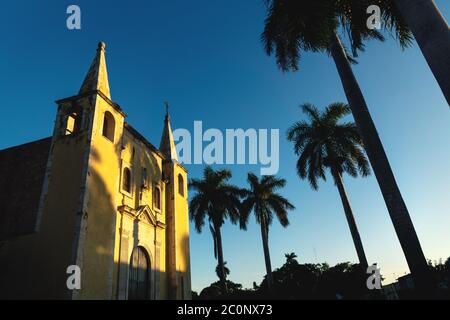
{"x": 293, "y": 26}
{"x": 323, "y": 143}
{"x": 264, "y": 202}
{"x": 215, "y": 201}
{"x": 226, "y": 271}
{"x": 432, "y": 34}
{"x": 291, "y": 258}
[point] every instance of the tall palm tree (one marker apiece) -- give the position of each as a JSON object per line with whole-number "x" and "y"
{"x": 264, "y": 202}
{"x": 293, "y": 26}
{"x": 323, "y": 143}
{"x": 215, "y": 200}
{"x": 432, "y": 34}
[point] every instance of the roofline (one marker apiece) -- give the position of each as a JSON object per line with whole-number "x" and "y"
{"x": 101, "y": 94}
{"x": 25, "y": 144}
{"x": 177, "y": 163}
{"x": 139, "y": 136}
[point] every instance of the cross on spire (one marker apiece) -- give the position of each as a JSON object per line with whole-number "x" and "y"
{"x": 167, "y": 106}
{"x": 167, "y": 145}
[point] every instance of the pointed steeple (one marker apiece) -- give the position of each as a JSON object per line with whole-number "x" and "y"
{"x": 167, "y": 145}
{"x": 97, "y": 76}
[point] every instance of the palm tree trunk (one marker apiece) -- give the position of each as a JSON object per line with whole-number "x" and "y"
{"x": 223, "y": 281}
{"x": 351, "y": 221}
{"x": 432, "y": 34}
{"x": 394, "y": 201}
{"x": 265, "y": 240}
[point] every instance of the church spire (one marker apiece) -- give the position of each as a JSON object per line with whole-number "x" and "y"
{"x": 167, "y": 145}
{"x": 97, "y": 76}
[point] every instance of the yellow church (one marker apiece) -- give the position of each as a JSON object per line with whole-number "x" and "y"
{"x": 95, "y": 201}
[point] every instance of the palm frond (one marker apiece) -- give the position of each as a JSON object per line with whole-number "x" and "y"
{"x": 325, "y": 142}
{"x": 295, "y": 26}
{"x": 264, "y": 202}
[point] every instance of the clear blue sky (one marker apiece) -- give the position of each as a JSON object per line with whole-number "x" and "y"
{"x": 205, "y": 57}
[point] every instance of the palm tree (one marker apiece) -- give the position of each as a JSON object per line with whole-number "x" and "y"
{"x": 291, "y": 258}
{"x": 262, "y": 199}
{"x": 293, "y": 26}
{"x": 225, "y": 270}
{"x": 323, "y": 143}
{"x": 432, "y": 34}
{"x": 215, "y": 200}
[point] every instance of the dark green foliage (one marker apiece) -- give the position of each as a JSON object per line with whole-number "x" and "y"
{"x": 263, "y": 200}
{"x": 225, "y": 269}
{"x": 215, "y": 199}
{"x": 235, "y": 291}
{"x": 299, "y": 281}
{"x": 322, "y": 142}
{"x": 441, "y": 276}
{"x": 293, "y": 26}
{"x": 318, "y": 281}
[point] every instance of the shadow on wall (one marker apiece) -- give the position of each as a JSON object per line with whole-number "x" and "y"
{"x": 97, "y": 247}
{"x": 100, "y": 268}
{"x": 184, "y": 278}
{"x": 96, "y": 224}
{"x": 21, "y": 168}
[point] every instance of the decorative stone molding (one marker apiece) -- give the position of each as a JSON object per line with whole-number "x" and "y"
{"x": 144, "y": 214}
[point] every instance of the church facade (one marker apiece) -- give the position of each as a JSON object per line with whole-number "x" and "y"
{"x": 95, "y": 197}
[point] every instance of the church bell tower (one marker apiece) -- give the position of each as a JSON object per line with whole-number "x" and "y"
{"x": 177, "y": 219}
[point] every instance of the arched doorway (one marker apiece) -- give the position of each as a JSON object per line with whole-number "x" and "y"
{"x": 139, "y": 276}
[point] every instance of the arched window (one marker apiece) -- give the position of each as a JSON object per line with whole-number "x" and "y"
{"x": 144, "y": 178}
{"x": 181, "y": 185}
{"x": 109, "y": 126}
{"x": 139, "y": 277}
{"x": 126, "y": 183}
{"x": 73, "y": 121}
{"x": 157, "y": 198}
